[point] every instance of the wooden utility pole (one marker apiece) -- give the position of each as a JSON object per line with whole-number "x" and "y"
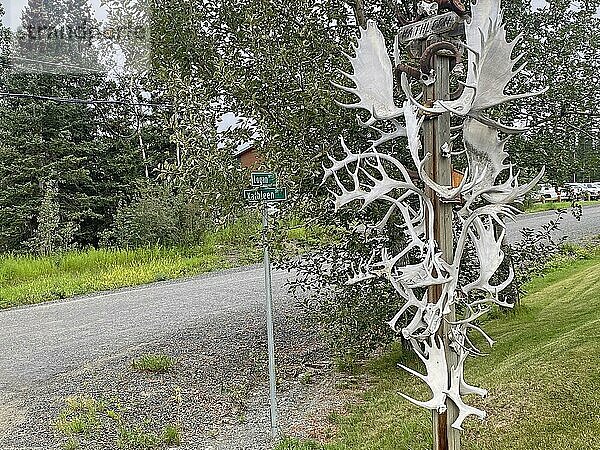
{"x": 436, "y": 135}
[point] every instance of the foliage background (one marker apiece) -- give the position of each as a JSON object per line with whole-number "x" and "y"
{"x": 126, "y": 175}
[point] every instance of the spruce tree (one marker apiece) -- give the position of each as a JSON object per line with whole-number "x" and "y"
{"x": 75, "y": 147}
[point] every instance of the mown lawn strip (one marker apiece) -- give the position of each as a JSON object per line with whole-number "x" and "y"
{"x": 542, "y": 377}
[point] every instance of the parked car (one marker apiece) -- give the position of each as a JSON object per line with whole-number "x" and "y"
{"x": 547, "y": 193}
{"x": 576, "y": 190}
{"x": 591, "y": 190}
{"x": 566, "y": 194}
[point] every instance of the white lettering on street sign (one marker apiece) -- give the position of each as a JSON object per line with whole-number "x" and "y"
{"x": 263, "y": 179}
{"x": 266, "y": 195}
{"x": 433, "y": 25}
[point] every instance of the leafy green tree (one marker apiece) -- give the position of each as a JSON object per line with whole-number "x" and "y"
{"x": 270, "y": 61}
{"x": 264, "y": 61}
{"x": 274, "y": 60}
{"x": 561, "y": 42}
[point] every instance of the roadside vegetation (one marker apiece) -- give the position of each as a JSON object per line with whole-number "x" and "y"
{"x": 552, "y": 206}
{"x": 153, "y": 363}
{"x": 541, "y": 374}
{"x": 124, "y": 193}
{"x": 85, "y": 419}
{"x": 28, "y": 279}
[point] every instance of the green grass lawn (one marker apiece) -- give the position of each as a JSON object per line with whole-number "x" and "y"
{"x": 543, "y": 376}
{"x": 552, "y": 206}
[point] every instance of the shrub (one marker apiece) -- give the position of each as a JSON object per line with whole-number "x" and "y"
{"x": 171, "y": 435}
{"x": 353, "y": 317}
{"x": 158, "y": 215}
{"x": 530, "y": 256}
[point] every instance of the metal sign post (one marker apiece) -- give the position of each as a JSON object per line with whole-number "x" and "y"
{"x": 265, "y": 193}
{"x": 269, "y": 310}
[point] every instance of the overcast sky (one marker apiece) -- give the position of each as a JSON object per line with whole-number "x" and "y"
{"x": 14, "y": 8}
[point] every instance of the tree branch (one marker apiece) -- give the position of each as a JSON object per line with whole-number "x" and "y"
{"x": 581, "y": 130}
{"x": 359, "y": 13}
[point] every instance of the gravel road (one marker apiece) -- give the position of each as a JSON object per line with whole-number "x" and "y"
{"x": 48, "y": 339}
{"x": 576, "y": 231}
{"x": 212, "y": 325}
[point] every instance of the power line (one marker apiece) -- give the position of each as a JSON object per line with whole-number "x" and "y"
{"x": 60, "y": 64}
{"x": 78, "y": 101}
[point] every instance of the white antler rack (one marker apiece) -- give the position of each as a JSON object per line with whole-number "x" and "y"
{"x": 366, "y": 177}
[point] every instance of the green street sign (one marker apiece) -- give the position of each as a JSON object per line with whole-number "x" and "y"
{"x": 265, "y": 195}
{"x": 262, "y": 179}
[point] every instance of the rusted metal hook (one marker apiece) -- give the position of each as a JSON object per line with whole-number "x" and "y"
{"x": 423, "y": 73}
{"x": 443, "y": 48}
{"x": 411, "y": 71}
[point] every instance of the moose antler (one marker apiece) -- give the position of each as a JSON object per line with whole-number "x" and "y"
{"x": 373, "y": 76}
{"x": 418, "y": 270}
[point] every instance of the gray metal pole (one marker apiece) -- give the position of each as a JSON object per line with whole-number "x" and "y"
{"x": 270, "y": 339}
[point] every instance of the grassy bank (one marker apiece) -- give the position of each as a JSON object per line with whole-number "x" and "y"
{"x": 542, "y": 376}
{"x": 31, "y": 279}
{"x": 553, "y": 206}
{"x": 26, "y": 279}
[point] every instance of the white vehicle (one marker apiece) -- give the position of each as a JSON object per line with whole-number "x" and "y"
{"x": 547, "y": 193}
{"x": 566, "y": 194}
{"x": 575, "y": 189}
{"x": 591, "y": 189}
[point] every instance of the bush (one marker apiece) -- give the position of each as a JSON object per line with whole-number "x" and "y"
{"x": 530, "y": 256}
{"x": 157, "y": 216}
{"x": 353, "y": 317}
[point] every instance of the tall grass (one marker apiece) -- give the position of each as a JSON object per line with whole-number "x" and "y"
{"x": 553, "y": 206}
{"x": 27, "y": 279}
{"x": 245, "y": 231}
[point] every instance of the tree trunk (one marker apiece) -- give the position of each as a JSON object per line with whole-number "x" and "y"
{"x": 359, "y": 13}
